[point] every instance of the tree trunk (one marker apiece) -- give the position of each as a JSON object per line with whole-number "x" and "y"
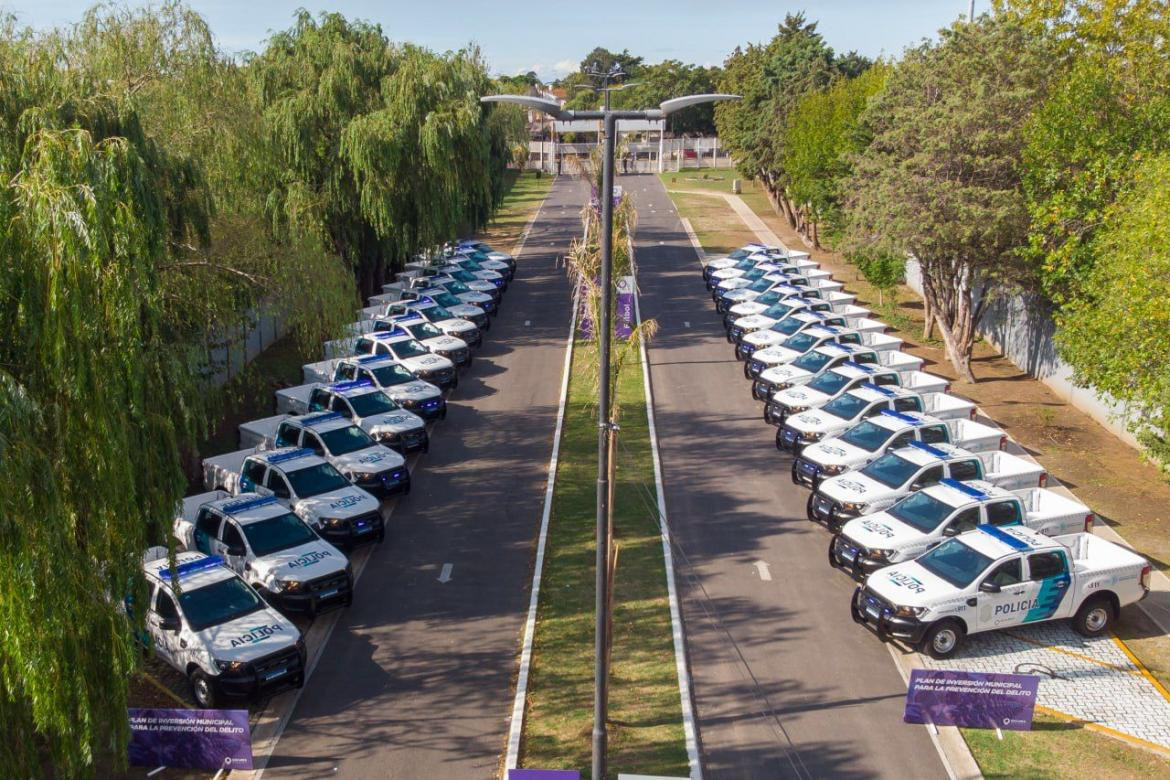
{"x": 947, "y": 294}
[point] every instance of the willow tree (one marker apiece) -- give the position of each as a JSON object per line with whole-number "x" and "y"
{"x": 94, "y": 399}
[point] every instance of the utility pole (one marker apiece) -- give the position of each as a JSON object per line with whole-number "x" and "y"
{"x": 605, "y": 426}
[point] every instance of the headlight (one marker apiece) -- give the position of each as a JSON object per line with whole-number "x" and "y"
{"x": 910, "y": 612}
{"x": 812, "y": 436}
{"x": 334, "y": 522}
{"x": 349, "y": 570}
{"x": 848, "y": 507}
{"x": 289, "y": 586}
{"x": 832, "y": 470}
{"x": 881, "y": 555}
{"x": 797, "y": 409}
{"x": 778, "y": 386}
{"x": 230, "y": 667}
{"x": 389, "y": 436}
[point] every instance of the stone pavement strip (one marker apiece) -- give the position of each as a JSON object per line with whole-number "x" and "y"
{"x": 1094, "y": 680}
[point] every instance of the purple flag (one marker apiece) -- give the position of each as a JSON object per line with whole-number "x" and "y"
{"x": 625, "y": 307}
{"x": 971, "y": 699}
{"x": 191, "y": 739}
{"x": 584, "y": 321}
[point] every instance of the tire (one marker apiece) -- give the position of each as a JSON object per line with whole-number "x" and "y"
{"x": 768, "y": 414}
{"x": 1094, "y": 617}
{"x": 944, "y": 639}
{"x": 808, "y": 506}
{"x": 203, "y": 690}
{"x": 795, "y": 480}
{"x": 747, "y": 374}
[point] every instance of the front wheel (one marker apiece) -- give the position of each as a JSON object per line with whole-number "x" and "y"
{"x": 203, "y": 689}
{"x": 1094, "y": 617}
{"x": 747, "y": 370}
{"x": 943, "y": 639}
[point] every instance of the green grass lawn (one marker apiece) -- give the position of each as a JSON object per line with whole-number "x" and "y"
{"x": 645, "y": 721}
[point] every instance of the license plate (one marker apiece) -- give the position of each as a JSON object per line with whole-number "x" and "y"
{"x": 275, "y": 673}
{"x": 822, "y": 508}
{"x": 789, "y": 437}
{"x": 809, "y": 469}
{"x": 326, "y": 594}
{"x": 872, "y": 612}
{"x": 364, "y": 529}
{"x": 849, "y": 554}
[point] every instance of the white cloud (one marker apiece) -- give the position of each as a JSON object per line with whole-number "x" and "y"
{"x": 565, "y": 67}
{"x": 531, "y": 68}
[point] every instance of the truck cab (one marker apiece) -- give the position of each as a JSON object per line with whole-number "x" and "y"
{"x": 434, "y": 314}
{"x": 459, "y": 308}
{"x": 998, "y": 577}
{"x": 387, "y": 374}
{"x": 371, "y": 466}
{"x": 374, "y": 411}
{"x": 430, "y": 336}
{"x": 826, "y": 386}
{"x": 761, "y": 331}
{"x": 217, "y": 631}
{"x": 404, "y": 349}
{"x": 275, "y": 551}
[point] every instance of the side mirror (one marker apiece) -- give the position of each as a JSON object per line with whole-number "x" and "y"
{"x": 951, "y": 530}
{"x": 280, "y": 492}
{"x": 987, "y": 586}
{"x": 236, "y": 550}
{"x": 170, "y": 624}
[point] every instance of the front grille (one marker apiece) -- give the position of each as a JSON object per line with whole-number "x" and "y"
{"x": 337, "y": 581}
{"x": 288, "y": 658}
{"x": 870, "y": 600}
{"x": 458, "y": 356}
{"x": 371, "y": 520}
{"x": 757, "y": 367}
{"x": 442, "y": 375}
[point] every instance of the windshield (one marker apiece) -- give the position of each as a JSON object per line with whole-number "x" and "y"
{"x": 891, "y": 470}
{"x": 812, "y": 362}
{"x": 370, "y": 404}
{"x": 343, "y": 441}
{"x": 955, "y": 562}
{"x": 866, "y": 435}
{"x": 769, "y": 297}
{"x": 739, "y": 254}
{"x": 777, "y": 311}
{"x": 424, "y": 330}
{"x": 788, "y": 326}
{"x": 277, "y": 533}
{"x": 390, "y": 375}
{"x": 463, "y": 276}
{"x": 458, "y": 287}
{"x": 218, "y": 603}
{"x": 315, "y": 480}
{"x": 408, "y": 349}
{"x": 920, "y": 511}
{"x": 846, "y": 407}
{"x": 438, "y": 313}
{"x": 829, "y": 383}
{"x": 801, "y": 342}
{"x": 760, "y": 286}
{"x": 446, "y": 299}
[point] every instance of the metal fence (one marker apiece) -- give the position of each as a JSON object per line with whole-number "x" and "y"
{"x": 672, "y": 154}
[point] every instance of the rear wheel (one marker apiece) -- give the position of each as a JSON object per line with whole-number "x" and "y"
{"x": 1094, "y": 617}
{"x": 944, "y": 639}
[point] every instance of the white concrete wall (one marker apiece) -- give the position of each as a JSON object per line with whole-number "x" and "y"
{"x": 1022, "y": 329}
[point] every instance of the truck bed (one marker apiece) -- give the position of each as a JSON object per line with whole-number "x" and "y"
{"x": 900, "y": 361}
{"x": 945, "y": 406}
{"x": 837, "y": 298}
{"x": 866, "y": 325}
{"x": 255, "y": 433}
{"x": 1092, "y": 554}
{"x": 975, "y": 436}
{"x": 294, "y": 400}
{"x": 370, "y": 312}
{"x": 191, "y": 504}
{"x": 1053, "y": 514}
{"x": 339, "y": 348}
{"x": 923, "y": 382}
{"x": 881, "y": 342}
{"x": 218, "y": 467}
{"x": 321, "y": 371}
{"x": 850, "y": 311}
{"x": 1011, "y": 471}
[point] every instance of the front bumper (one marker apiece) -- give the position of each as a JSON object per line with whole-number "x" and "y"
{"x": 460, "y": 357}
{"x": 358, "y": 530}
{"x": 386, "y": 483}
{"x": 853, "y": 559}
{"x": 445, "y": 380}
{"x": 877, "y": 615}
{"x": 407, "y": 442}
{"x": 790, "y": 440}
{"x": 761, "y": 390}
{"x": 315, "y": 596}
{"x": 806, "y": 473}
{"x": 755, "y": 368}
{"x": 822, "y": 509}
{"x": 264, "y": 676}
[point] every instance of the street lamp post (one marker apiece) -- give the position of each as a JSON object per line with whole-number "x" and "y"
{"x": 610, "y": 119}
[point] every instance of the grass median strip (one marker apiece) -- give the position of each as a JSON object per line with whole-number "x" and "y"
{"x": 645, "y": 720}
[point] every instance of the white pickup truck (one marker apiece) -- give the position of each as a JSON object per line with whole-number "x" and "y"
{"x": 795, "y": 346}
{"x": 994, "y": 578}
{"x": 765, "y": 302}
{"x": 766, "y": 382}
{"x": 923, "y": 519}
{"x": 786, "y": 287}
{"x": 365, "y": 405}
{"x": 371, "y": 466}
{"x": 468, "y": 311}
{"x": 908, "y": 469}
{"x": 217, "y": 631}
{"x": 757, "y": 253}
{"x": 339, "y": 511}
{"x": 422, "y": 398}
{"x": 766, "y": 316}
{"x": 843, "y": 412}
{"x": 270, "y": 547}
{"x": 437, "y": 316}
{"x": 875, "y": 436}
{"x": 827, "y": 385}
{"x": 413, "y": 356}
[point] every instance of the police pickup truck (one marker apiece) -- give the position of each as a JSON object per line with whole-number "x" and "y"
{"x": 422, "y": 398}
{"x": 411, "y": 355}
{"x": 911, "y": 468}
{"x": 821, "y": 359}
{"x": 439, "y": 297}
{"x": 468, "y": 305}
{"x": 758, "y": 253}
{"x": 775, "y": 335}
{"x": 843, "y": 412}
{"x": 477, "y": 279}
{"x": 481, "y": 248}
{"x": 835, "y": 382}
{"x": 363, "y": 404}
{"x": 874, "y": 436}
{"x": 217, "y": 631}
{"x": 454, "y": 349}
{"x": 270, "y": 547}
{"x": 994, "y": 578}
{"x": 488, "y": 300}
{"x": 745, "y": 289}
{"x": 923, "y": 519}
{"x": 434, "y": 314}
{"x": 809, "y": 339}
{"x": 339, "y": 511}
{"x": 333, "y": 436}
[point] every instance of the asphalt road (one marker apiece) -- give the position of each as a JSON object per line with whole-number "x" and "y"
{"x": 786, "y": 685}
{"x": 416, "y": 680}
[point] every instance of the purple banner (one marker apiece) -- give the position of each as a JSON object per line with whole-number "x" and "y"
{"x": 625, "y": 307}
{"x": 544, "y": 774}
{"x": 584, "y": 320}
{"x": 971, "y": 699}
{"x": 191, "y": 739}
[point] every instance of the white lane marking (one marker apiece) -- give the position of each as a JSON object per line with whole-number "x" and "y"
{"x": 676, "y": 629}
{"x": 517, "y": 720}
{"x": 661, "y": 243}
{"x": 445, "y": 574}
{"x": 763, "y": 570}
{"x": 686, "y": 323}
{"x": 527, "y": 323}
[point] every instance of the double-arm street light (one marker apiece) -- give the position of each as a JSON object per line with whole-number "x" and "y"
{"x": 610, "y": 118}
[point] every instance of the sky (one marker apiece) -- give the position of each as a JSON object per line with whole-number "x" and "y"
{"x": 552, "y": 38}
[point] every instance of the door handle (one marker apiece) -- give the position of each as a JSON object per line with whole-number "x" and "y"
{"x": 971, "y": 602}
{"x": 1061, "y": 584}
